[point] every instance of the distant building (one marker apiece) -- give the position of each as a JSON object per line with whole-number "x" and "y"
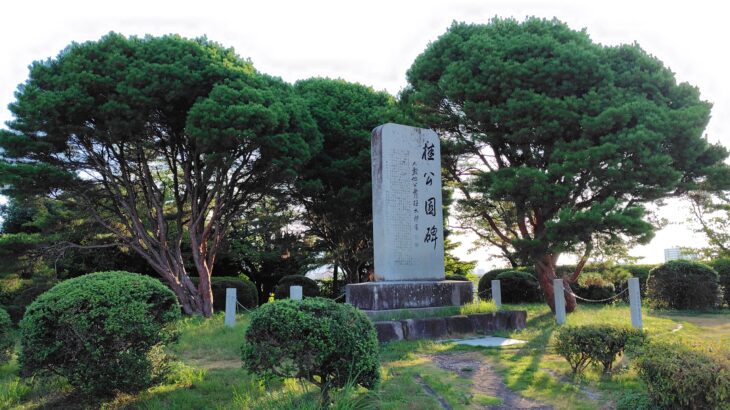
{"x": 672, "y": 254}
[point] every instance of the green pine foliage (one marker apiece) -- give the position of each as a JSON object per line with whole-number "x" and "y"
{"x": 559, "y": 142}
{"x": 334, "y": 187}
{"x": 327, "y": 343}
{"x": 104, "y": 332}
{"x": 175, "y": 138}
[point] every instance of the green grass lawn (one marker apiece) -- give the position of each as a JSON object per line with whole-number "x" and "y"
{"x": 207, "y": 373}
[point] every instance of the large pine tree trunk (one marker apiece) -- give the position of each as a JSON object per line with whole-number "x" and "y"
{"x": 545, "y": 275}
{"x": 187, "y": 293}
{"x": 206, "y": 294}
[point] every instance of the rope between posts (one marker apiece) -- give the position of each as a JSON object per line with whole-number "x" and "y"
{"x": 599, "y": 300}
{"x": 243, "y": 307}
{"x": 239, "y": 305}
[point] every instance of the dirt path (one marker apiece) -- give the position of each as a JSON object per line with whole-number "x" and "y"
{"x": 485, "y": 379}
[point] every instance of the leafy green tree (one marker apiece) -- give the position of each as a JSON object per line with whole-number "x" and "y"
{"x": 334, "y": 188}
{"x": 559, "y": 141}
{"x": 161, "y": 140}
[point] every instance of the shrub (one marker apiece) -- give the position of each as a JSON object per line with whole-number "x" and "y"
{"x": 6, "y": 337}
{"x": 103, "y": 332}
{"x": 22, "y": 296}
{"x": 633, "y": 400}
{"x": 597, "y": 344}
{"x": 519, "y": 287}
{"x": 642, "y": 273}
{"x": 722, "y": 267}
{"x": 309, "y": 286}
{"x": 594, "y": 287}
{"x": 680, "y": 377}
{"x": 456, "y": 277}
{"x": 316, "y": 339}
{"x": 683, "y": 284}
{"x": 246, "y": 292}
{"x": 485, "y": 282}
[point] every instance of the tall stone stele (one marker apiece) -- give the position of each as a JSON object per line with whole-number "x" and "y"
{"x": 407, "y": 225}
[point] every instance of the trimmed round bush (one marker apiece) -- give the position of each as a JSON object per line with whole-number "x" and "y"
{"x": 519, "y": 287}
{"x": 104, "y": 332}
{"x": 594, "y": 287}
{"x": 485, "y": 282}
{"x": 722, "y": 267}
{"x": 683, "y": 284}
{"x": 309, "y": 286}
{"x": 246, "y": 292}
{"x": 316, "y": 339}
{"x": 6, "y": 337}
{"x": 598, "y": 344}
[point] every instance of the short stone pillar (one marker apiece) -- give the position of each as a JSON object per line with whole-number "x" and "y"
{"x": 295, "y": 292}
{"x": 559, "y": 293}
{"x": 230, "y": 319}
{"x": 635, "y": 303}
{"x": 497, "y": 293}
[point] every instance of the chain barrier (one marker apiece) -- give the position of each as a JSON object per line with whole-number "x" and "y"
{"x": 238, "y": 304}
{"x": 599, "y": 300}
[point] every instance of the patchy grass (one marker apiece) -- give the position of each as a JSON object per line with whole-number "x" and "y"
{"x": 208, "y": 373}
{"x": 481, "y": 306}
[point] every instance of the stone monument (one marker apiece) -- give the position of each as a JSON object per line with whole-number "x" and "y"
{"x": 407, "y": 225}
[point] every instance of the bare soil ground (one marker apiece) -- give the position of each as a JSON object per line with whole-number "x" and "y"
{"x": 485, "y": 379}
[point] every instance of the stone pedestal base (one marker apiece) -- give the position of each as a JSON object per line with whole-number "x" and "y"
{"x": 390, "y": 295}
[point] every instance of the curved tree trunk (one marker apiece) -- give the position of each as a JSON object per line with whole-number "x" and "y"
{"x": 545, "y": 275}
{"x": 187, "y": 293}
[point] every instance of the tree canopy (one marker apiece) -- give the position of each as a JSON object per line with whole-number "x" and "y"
{"x": 161, "y": 139}
{"x": 334, "y": 187}
{"x": 558, "y": 142}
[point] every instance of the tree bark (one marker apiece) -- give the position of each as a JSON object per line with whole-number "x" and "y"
{"x": 545, "y": 274}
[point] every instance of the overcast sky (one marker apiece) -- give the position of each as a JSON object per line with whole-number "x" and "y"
{"x": 374, "y": 42}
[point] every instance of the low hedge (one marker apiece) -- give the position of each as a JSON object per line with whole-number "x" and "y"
{"x": 519, "y": 287}
{"x": 594, "y": 344}
{"x": 485, "y": 282}
{"x": 680, "y": 377}
{"x": 309, "y": 286}
{"x": 104, "y": 332}
{"x": 246, "y": 292}
{"x": 682, "y": 284}
{"x": 593, "y": 286}
{"x": 327, "y": 343}
{"x": 456, "y": 277}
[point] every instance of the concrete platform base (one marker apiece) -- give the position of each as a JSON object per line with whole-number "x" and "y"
{"x": 450, "y": 326}
{"x": 388, "y": 295}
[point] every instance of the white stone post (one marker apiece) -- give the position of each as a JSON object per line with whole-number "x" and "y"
{"x": 635, "y": 303}
{"x": 230, "y": 320}
{"x": 295, "y": 292}
{"x": 497, "y": 293}
{"x": 559, "y": 301}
